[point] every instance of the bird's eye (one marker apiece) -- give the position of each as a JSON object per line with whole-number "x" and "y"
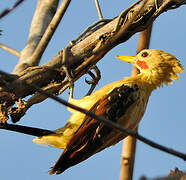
{"x": 144, "y": 54}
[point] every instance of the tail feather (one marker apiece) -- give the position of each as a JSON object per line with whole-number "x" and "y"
{"x": 61, "y": 164}
{"x": 76, "y": 154}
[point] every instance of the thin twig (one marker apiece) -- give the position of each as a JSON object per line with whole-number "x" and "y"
{"x": 10, "y": 50}
{"x": 25, "y": 129}
{"x": 108, "y": 122}
{"x": 7, "y": 11}
{"x": 98, "y": 9}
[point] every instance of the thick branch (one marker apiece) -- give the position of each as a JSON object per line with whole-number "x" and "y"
{"x": 49, "y": 33}
{"x": 42, "y": 17}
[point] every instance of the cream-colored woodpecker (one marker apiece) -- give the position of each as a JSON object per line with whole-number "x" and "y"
{"x": 123, "y": 102}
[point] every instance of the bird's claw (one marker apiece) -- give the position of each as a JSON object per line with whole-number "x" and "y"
{"x": 95, "y": 78}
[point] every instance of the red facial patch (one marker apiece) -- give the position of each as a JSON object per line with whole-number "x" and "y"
{"x": 142, "y": 64}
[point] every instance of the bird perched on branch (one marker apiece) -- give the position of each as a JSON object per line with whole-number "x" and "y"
{"x": 123, "y": 102}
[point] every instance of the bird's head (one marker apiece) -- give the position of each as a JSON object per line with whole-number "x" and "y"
{"x": 155, "y": 66}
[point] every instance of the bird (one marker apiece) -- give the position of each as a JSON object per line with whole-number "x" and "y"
{"x": 123, "y": 102}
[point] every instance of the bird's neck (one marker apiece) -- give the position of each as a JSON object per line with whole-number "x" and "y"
{"x": 146, "y": 82}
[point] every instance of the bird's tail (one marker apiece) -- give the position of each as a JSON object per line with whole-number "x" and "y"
{"x": 63, "y": 163}
{"x": 75, "y": 154}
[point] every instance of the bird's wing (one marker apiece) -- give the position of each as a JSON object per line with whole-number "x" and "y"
{"x": 61, "y": 136}
{"x": 91, "y": 135}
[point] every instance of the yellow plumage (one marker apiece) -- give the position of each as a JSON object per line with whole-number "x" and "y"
{"x": 122, "y": 101}
{"x": 63, "y": 135}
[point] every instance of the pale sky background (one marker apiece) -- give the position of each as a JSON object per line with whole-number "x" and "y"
{"x": 164, "y": 121}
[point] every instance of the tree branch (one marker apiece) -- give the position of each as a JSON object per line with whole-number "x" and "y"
{"x": 49, "y": 31}
{"x": 43, "y": 15}
{"x": 7, "y": 11}
{"x": 98, "y": 9}
{"x": 10, "y": 50}
{"x": 25, "y": 129}
{"x": 175, "y": 174}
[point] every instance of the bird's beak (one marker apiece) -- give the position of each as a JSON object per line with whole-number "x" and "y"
{"x": 129, "y": 59}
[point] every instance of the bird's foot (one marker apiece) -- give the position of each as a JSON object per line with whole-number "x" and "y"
{"x": 95, "y": 79}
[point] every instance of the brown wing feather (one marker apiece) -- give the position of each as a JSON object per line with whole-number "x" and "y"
{"x": 89, "y": 138}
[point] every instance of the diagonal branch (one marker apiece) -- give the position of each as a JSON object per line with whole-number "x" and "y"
{"x": 7, "y": 11}
{"x": 10, "y": 50}
{"x": 43, "y": 15}
{"x": 98, "y": 9}
{"x": 25, "y": 129}
{"x": 49, "y": 31}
